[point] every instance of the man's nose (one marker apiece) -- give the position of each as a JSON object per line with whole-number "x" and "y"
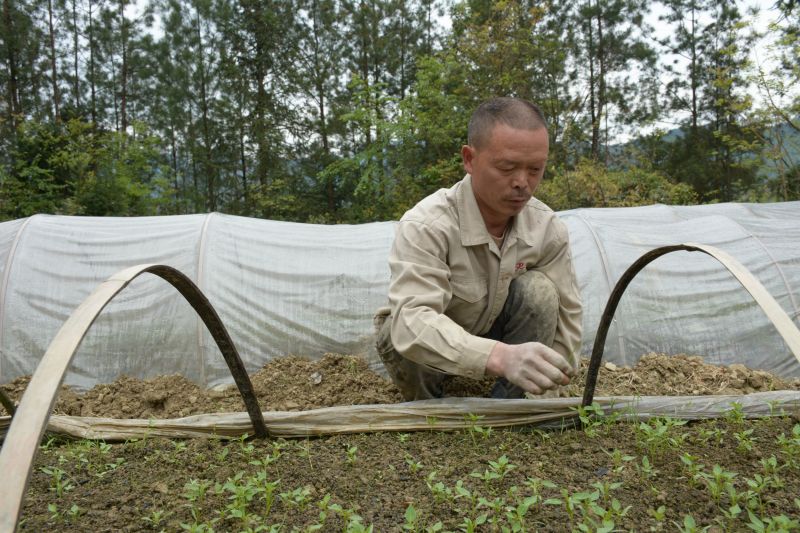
{"x": 519, "y": 180}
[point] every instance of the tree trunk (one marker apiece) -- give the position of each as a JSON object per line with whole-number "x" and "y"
{"x": 123, "y": 107}
{"x": 694, "y": 74}
{"x": 92, "y": 84}
{"x": 53, "y": 64}
{"x": 116, "y": 95}
{"x": 11, "y": 61}
{"x": 592, "y": 90}
{"x": 243, "y": 158}
{"x": 75, "y": 44}
{"x": 211, "y": 200}
{"x": 601, "y": 81}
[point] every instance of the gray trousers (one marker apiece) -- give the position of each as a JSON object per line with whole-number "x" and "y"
{"x": 530, "y": 314}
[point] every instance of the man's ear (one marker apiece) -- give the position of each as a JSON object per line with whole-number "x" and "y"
{"x": 467, "y": 155}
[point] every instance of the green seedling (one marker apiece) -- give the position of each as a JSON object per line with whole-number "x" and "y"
{"x": 155, "y": 518}
{"x": 197, "y": 528}
{"x": 618, "y": 459}
{"x": 790, "y": 446}
{"x": 179, "y": 447}
{"x": 111, "y": 467}
{"x": 266, "y": 489}
{"x": 573, "y": 502}
{"x": 246, "y": 449}
{"x": 298, "y": 498}
{"x": 773, "y": 411}
{"x": 536, "y": 485}
{"x": 758, "y": 485}
{"x": 745, "y": 440}
{"x": 776, "y": 524}
{"x": 692, "y": 468}
{"x": 502, "y": 466}
{"x": 515, "y": 514}
{"x": 322, "y": 505}
{"x": 769, "y": 466}
{"x": 54, "y": 512}
{"x": 265, "y": 462}
{"x": 441, "y": 493}
{"x": 60, "y": 482}
{"x": 403, "y": 437}
{"x": 413, "y": 466}
{"x": 603, "y": 490}
{"x": 461, "y": 492}
{"x": 410, "y": 517}
{"x": 593, "y": 418}
{"x": 735, "y": 415}
{"x": 74, "y": 512}
{"x": 304, "y": 450}
{"x": 647, "y": 468}
{"x": 353, "y": 521}
{"x": 659, "y": 515}
{"x": 689, "y": 525}
{"x": 49, "y": 443}
{"x": 590, "y": 419}
{"x": 713, "y": 436}
{"x": 718, "y": 482}
{"x": 240, "y": 496}
{"x": 195, "y": 491}
{"x": 474, "y": 428}
{"x": 352, "y": 457}
{"x": 730, "y": 515}
{"x": 496, "y": 506}
{"x": 657, "y": 435}
{"x": 470, "y": 525}
{"x": 222, "y": 454}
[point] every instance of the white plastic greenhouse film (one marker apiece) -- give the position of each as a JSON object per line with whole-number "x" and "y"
{"x": 284, "y": 288}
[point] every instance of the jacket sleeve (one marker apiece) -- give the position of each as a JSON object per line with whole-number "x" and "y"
{"x": 419, "y": 293}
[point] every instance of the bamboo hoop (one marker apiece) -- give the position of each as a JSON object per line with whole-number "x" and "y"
{"x": 7, "y": 403}
{"x": 33, "y": 412}
{"x": 773, "y": 310}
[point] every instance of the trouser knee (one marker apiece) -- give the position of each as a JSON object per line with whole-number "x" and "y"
{"x": 530, "y": 313}
{"x": 415, "y": 381}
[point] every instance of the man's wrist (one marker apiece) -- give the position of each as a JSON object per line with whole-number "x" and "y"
{"x": 495, "y": 364}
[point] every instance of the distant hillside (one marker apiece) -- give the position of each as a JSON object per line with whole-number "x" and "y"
{"x": 790, "y": 138}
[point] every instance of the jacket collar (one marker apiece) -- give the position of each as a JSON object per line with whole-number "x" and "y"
{"x": 470, "y": 221}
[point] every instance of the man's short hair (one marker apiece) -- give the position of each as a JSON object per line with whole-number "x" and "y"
{"x": 514, "y": 112}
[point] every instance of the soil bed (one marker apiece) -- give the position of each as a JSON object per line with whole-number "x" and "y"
{"x": 728, "y": 473}
{"x": 296, "y": 384}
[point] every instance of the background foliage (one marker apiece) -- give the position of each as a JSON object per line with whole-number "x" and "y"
{"x": 353, "y": 110}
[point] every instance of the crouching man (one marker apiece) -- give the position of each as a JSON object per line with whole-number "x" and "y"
{"x": 482, "y": 278}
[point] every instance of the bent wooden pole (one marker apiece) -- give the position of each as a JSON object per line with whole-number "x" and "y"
{"x": 30, "y": 420}
{"x": 7, "y": 403}
{"x": 773, "y": 310}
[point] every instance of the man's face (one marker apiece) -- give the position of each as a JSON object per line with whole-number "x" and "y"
{"x": 506, "y": 170}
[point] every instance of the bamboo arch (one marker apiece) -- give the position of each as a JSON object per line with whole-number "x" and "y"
{"x": 782, "y": 322}
{"x": 30, "y": 419}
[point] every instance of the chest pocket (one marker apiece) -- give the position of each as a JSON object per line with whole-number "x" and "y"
{"x": 469, "y": 301}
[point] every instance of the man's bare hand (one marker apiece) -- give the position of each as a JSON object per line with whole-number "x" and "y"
{"x": 532, "y": 366}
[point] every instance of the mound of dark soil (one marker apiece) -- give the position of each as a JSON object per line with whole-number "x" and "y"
{"x": 294, "y": 384}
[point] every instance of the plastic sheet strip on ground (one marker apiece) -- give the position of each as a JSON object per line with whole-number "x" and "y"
{"x": 445, "y": 414}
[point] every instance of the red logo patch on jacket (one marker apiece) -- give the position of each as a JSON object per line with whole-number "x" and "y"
{"x": 519, "y": 266}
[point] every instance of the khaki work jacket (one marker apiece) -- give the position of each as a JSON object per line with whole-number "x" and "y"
{"x": 450, "y": 281}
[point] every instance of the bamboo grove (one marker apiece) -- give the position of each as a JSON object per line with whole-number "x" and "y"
{"x": 352, "y": 110}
